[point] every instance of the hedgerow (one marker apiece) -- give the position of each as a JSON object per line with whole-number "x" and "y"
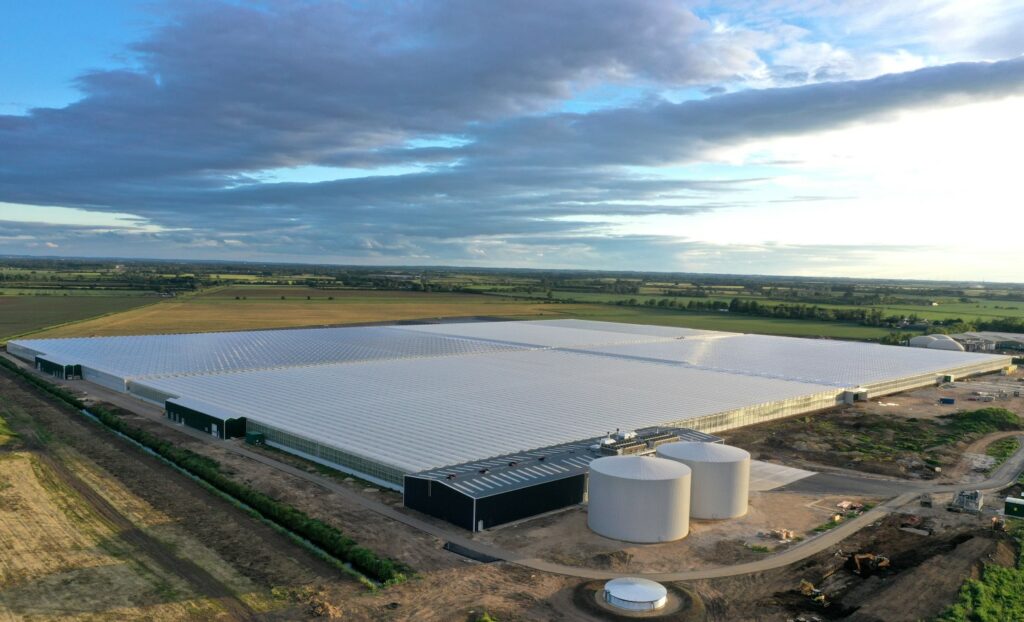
{"x": 321, "y": 534}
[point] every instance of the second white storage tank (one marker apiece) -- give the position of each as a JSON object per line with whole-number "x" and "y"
{"x": 721, "y": 477}
{"x": 639, "y": 498}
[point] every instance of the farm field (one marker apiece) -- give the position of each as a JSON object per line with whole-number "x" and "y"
{"x": 258, "y": 307}
{"x": 65, "y": 551}
{"x": 982, "y": 309}
{"x": 264, "y": 308}
{"x": 22, "y": 314}
{"x": 93, "y": 529}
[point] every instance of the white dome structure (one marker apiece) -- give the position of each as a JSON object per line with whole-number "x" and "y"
{"x": 950, "y": 344}
{"x": 635, "y": 594}
{"x": 721, "y": 477}
{"x": 639, "y": 498}
{"x": 936, "y": 342}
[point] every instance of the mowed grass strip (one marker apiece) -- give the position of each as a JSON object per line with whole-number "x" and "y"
{"x": 23, "y": 314}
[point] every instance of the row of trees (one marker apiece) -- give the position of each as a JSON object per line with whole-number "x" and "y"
{"x": 868, "y": 317}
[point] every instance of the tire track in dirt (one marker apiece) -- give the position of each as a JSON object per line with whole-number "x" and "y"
{"x": 202, "y": 581}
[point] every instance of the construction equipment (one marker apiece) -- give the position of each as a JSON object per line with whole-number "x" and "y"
{"x": 969, "y": 501}
{"x": 849, "y": 506}
{"x": 910, "y": 520}
{"x": 866, "y": 564}
{"x": 807, "y": 589}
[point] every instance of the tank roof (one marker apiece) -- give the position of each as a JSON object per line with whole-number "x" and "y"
{"x": 639, "y": 467}
{"x": 703, "y": 452}
{"x": 636, "y": 590}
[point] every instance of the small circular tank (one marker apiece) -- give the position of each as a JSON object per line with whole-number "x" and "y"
{"x": 635, "y": 594}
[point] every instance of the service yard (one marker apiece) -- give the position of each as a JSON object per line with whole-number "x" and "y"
{"x": 564, "y": 537}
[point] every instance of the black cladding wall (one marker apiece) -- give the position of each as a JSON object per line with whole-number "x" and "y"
{"x": 525, "y": 502}
{"x": 58, "y": 370}
{"x": 229, "y": 428}
{"x": 437, "y": 499}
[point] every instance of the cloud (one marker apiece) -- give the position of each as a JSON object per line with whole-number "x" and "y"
{"x": 466, "y": 94}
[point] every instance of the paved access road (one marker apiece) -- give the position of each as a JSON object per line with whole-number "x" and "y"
{"x": 904, "y": 492}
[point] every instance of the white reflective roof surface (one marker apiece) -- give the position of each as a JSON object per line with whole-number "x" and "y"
{"x": 422, "y": 397}
{"x": 553, "y": 334}
{"x": 820, "y": 361}
{"x": 418, "y": 414}
{"x": 152, "y": 355}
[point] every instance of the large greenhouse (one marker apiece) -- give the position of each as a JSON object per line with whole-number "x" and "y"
{"x": 388, "y": 402}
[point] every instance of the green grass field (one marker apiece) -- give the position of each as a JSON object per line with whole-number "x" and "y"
{"x": 23, "y": 314}
{"x": 981, "y": 310}
{"x": 724, "y": 321}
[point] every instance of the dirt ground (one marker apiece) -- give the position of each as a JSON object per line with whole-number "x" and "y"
{"x": 925, "y": 575}
{"x": 181, "y": 552}
{"x": 564, "y": 538}
{"x": 881, "y": 436}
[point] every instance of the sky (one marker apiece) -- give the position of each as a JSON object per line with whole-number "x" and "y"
{"x": 800, "y": 137}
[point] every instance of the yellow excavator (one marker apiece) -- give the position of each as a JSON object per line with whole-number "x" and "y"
{"x": 807, "y": 589}
{"x": 865, "y": 564}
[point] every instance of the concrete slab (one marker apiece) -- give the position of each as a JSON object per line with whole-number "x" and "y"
{"x": 768, "y": 476}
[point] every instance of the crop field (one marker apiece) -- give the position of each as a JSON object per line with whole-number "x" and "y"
{"x": 72, "y": 291}
{"x": 94, "y": 529}
{"x": 22, "y": 314}
{"x": 67, "y": 556}
{"x": 264, "y": 308}
{"x": 256, "y": 307}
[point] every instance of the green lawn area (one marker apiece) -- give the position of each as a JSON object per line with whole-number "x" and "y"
{"x": 1001, "y": 450}
{"x": 22, "y": 314}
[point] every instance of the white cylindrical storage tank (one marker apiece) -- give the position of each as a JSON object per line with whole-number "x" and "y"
{"x": 635, "y": 594}
{"x": 721, "y": 477}
{"x": 639, "y": 498}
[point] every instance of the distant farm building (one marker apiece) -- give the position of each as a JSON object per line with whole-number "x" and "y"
{"x": 991, "y": 341}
